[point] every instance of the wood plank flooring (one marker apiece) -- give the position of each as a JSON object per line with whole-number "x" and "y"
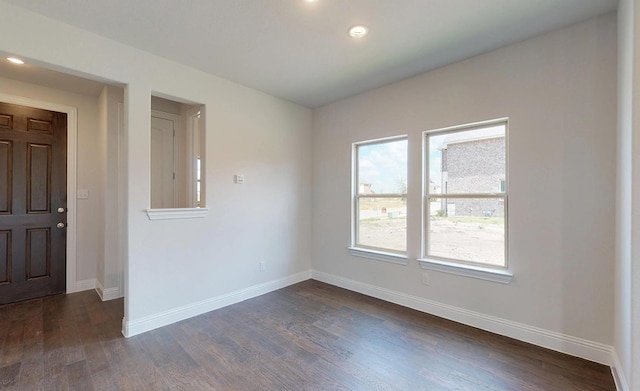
{"x": 309, "y": 336}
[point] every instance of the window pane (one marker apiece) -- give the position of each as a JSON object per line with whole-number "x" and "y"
{"x": 470, "y": 229}
{"x": 382, "y": 223}
{"x": 382, "y": 168}
{"x": 471, "y": 161}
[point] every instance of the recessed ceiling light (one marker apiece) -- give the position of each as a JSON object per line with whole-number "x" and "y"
{"x": 15, "y": 60}
{"x": 358, "y": 31}
{"x": 311, "y": 1}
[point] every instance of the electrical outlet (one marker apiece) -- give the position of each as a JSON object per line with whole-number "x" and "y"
{"x": 263, "y": 266}
{"x": 425, "y": 278}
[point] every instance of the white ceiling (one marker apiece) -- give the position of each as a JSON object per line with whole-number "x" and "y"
{"x": 301, "y": 52}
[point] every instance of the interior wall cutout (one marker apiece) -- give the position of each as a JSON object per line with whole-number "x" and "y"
{"x": 177, "y": 154}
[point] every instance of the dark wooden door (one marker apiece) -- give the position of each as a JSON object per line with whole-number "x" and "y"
{"x": 33, "y": 198}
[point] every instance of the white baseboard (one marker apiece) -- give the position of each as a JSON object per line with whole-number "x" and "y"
{"x": 107, "y": 294}
{"x": 618, "y": 374}
{"x": 84, "y": 285}
{"x": 578, "y": 347}
{"x": 134, "y": 327}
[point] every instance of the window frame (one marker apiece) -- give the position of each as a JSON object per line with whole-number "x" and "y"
{"x": 355, "y": 248}
{"x": 496, "y": 273}
{"x": 195, "y": 156}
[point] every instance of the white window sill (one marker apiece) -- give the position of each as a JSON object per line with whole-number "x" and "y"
{"x": 379, "y": 255}
{"x": 176, "y": 213}
{"x": 482, "y": 273}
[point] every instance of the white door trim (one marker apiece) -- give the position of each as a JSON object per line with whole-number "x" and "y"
{"x": 122, "y": 196}
{"x": 72, "y": 152}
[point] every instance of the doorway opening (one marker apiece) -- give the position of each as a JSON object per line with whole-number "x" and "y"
{"x": 92, "y": 180}
{"x": 70, "y": 175}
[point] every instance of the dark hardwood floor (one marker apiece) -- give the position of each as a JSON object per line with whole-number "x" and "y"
{"x": 309, "y": 336}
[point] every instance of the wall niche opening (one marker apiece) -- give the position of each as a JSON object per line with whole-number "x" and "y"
{"x": 177, "y": 154}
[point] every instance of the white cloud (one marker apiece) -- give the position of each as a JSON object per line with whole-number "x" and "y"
{"x": 383, "y": 165}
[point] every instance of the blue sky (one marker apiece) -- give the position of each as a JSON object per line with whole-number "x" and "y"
{"x": 384, "y": 165}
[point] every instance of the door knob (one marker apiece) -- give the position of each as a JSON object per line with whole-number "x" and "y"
{"x": 61, "y": 210}
{"x": 60, "y": 225}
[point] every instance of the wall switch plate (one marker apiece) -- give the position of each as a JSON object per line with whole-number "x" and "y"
{"x": 263, "y": 266}
{"x": 425, "y": 278}
{"x": 239, "y": 179}
{"x": 82, "y": 194}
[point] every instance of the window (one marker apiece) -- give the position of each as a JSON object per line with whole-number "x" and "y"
{"x": 380, "y": 196}
{"x": 198, "y": 182}
{"x": 466, "y": 199}
{"x": 195, "y": 151}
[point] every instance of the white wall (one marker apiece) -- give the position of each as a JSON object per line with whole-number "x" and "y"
{"x": 90, "y": 176}
{"x": 634, "y": 369}
{"x": 103, "y": 129}
{"x": 165, "y": 105}
{"x": 559, "y": 91}
{"x": 110, "y": 273}
{"x": 174, "y": 264}
{"x": 624, "y": 243}
{"x": 627, "y": 292}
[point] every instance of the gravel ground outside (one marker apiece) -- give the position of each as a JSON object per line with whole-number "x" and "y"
{"x": 477, "y": 240}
